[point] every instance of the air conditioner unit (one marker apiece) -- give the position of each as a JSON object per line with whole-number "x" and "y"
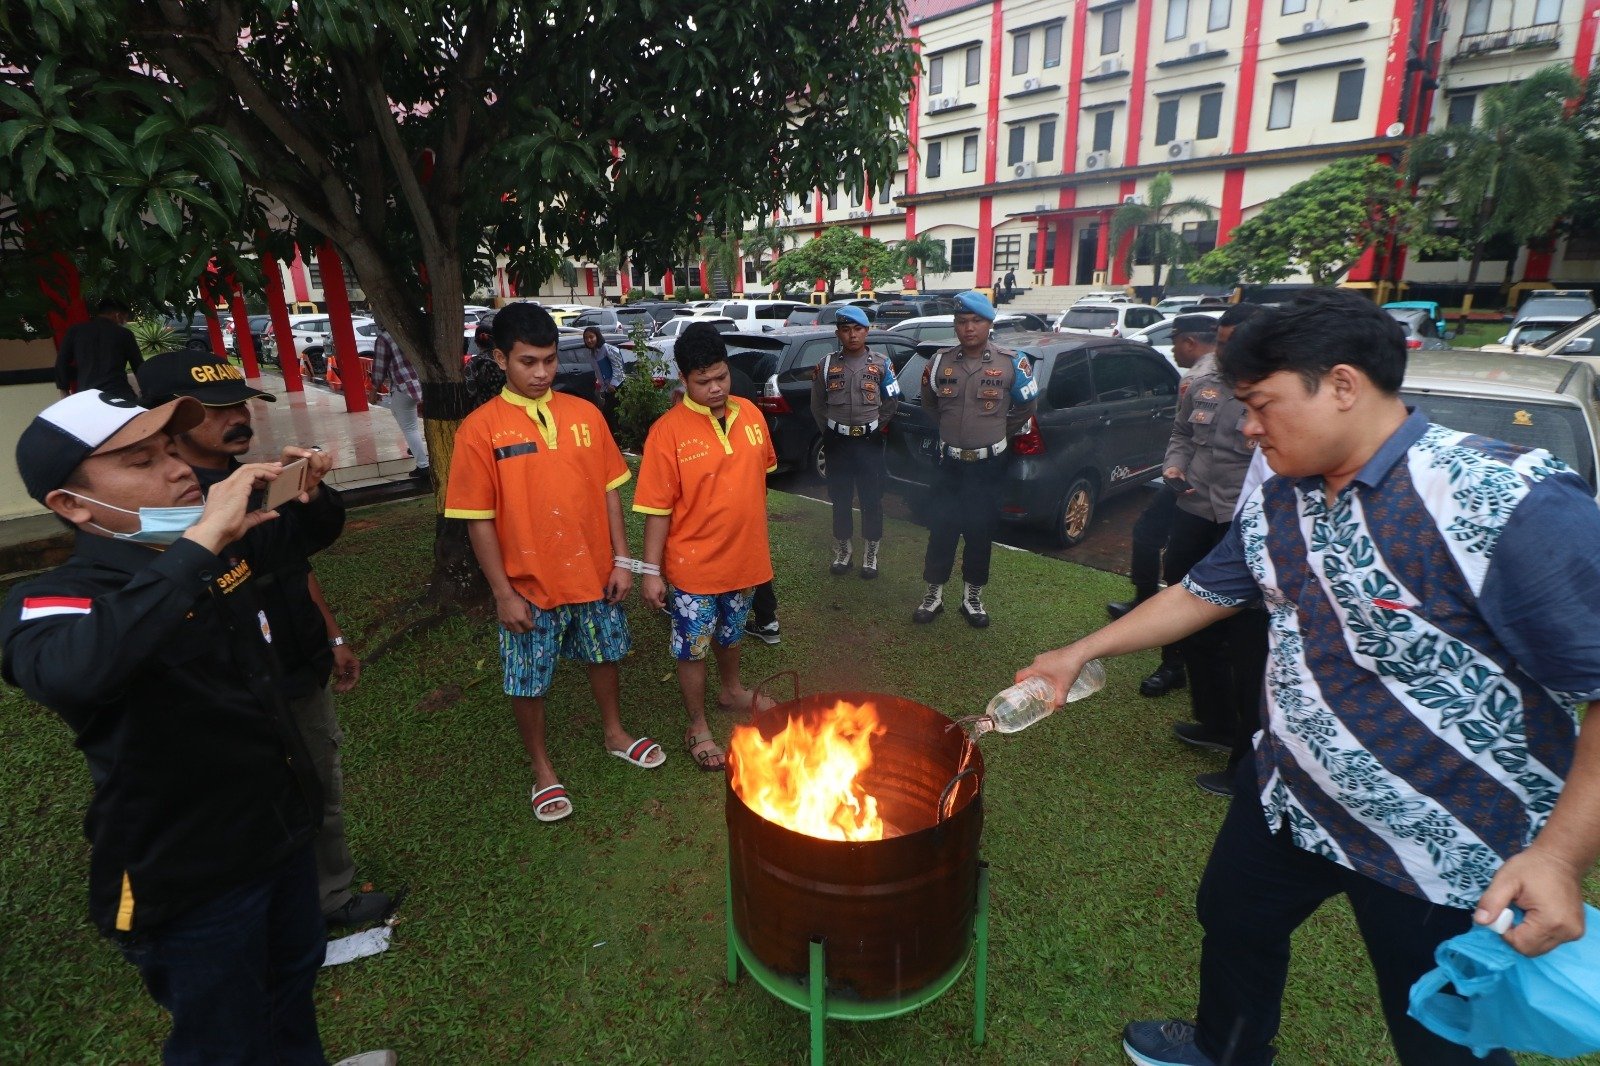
{"x": 1110, "y": 66}
{"x": 1097, "y": 160}
{"x": 1024, "y": 170}
{"x": 1198, "y": 48}
{"x": 1030, "y": 84}
{"x": 1133, "y": 198}
{"x": 945, "y": 102}
{"x": 1314, "y": 26}
{"x": 1041, "y": 207}
{"x": 1180, "y": 150}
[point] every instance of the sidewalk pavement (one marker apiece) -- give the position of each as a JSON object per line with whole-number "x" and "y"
{"x": 370, "y": 463}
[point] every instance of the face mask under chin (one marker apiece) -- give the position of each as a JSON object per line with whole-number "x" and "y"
{"x": 157, "y": 525}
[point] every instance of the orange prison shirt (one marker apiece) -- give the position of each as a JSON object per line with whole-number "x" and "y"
{"x": 713, "y": 483}
{"x": 541, "y": 469}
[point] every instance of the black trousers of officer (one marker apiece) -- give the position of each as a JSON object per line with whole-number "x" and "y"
{"x": 1150, "y": 534}
{"x": 1227, "y": 659}
{"x": 855, "y": 467}
{"x": 965, "y": 504}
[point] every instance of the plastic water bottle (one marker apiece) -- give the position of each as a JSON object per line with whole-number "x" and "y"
{"x": 1026, "y": 702}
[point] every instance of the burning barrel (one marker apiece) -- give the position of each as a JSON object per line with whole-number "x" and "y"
{"x": 886, "y": 871}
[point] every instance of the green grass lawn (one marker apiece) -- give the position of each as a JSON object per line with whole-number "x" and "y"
{"x": 600, "y": 939}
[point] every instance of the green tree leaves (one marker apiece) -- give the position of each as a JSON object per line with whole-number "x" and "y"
{"x": 839, "y": 251}
{"x": 1150, "y": 221}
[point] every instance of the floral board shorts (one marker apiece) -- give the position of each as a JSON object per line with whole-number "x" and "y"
{"x": 595, "y": 632}
{"x": 696, "y": 619}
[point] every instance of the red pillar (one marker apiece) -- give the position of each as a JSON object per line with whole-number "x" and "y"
{"x": 1039, "y": 257}
{"x": 242, "y": 339}
{"x": 666, "y": 284}
{"x": 1102, "y": 250}
{"x": 282, "y": 332}
{"x": 219, "y": 347}
{"x": 60, "y": 284}
{"x": 983, "y": 262}
{"x": 624, "y": 276}
{"x": 301, "y": 278}
{"x": 344, "y": 331}
{"x": 705, "y": 278}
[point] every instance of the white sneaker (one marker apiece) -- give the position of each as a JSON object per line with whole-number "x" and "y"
{"x": 370, "y": 1058}
{"x": 841, "y": 557}
{"x": 932, "y": 604}
{"x": 869, "y": 560}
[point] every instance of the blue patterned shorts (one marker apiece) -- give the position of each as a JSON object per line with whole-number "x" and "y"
{"x": 696, "y": 619}
{"x": 595, "y": 632}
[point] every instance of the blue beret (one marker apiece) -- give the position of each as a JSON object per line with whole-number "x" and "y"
{"x": 974, "y": 303}
{"x": 852, "y": 314}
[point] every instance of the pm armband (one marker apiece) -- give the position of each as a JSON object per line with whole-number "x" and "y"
{"x": 636, "y": 566}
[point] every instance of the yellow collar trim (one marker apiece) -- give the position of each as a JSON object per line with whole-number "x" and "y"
{"x": 733, "y": 414}
{"x": 538, "y": 411}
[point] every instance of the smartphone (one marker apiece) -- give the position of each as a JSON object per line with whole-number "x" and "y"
{"x": 1177, "y": 484}
{"x": 288, "y": 486}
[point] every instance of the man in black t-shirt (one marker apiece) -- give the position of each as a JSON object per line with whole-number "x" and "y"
{"x": 99, "y": 353}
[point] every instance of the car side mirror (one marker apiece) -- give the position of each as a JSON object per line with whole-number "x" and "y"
{"x": 1580, "y": 346}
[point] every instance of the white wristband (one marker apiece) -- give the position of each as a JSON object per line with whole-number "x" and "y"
{"x": 636, "y": 566}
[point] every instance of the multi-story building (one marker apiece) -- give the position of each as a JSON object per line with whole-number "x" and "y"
{"x": 1034, "y": 120}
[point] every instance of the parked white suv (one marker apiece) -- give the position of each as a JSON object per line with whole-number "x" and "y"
{"x": 753, "y": 315}
{"x": 1107, "y": 319}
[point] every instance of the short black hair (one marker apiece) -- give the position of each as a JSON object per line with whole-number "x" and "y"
{"x": 1314, "y": 332}
{"x": 528, "y": 323}
{"x": 1238, "y": 314}
{"x": 699, "y": 346}
{"x": 109, "y": 304}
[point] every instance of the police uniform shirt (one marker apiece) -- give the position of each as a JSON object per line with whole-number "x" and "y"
{"x": 979, "y": 402}
{"x": 1208, "y": 443}
{"x": 854, "y": 391}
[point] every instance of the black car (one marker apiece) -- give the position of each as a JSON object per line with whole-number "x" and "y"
{"x": 576, "y": 373}
{"x": 898, "y": 310}
{"x": 782, "y": 365}
{"x": 828, "y": 314}
{"x": 1104, "y": 417}
{"x": 191, "y": 330}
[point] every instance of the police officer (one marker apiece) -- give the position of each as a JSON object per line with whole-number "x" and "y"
{"x": 978, "y": 395}
{"x": 853, "y": 397}
{"x": 1210, "y": 454}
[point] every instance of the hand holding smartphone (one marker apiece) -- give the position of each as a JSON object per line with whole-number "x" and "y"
{"x": 286, "y": 487}
{"x": 1177, "y": 484}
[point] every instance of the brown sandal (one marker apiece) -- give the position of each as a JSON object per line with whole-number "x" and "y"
{"x": 696, "y": 743}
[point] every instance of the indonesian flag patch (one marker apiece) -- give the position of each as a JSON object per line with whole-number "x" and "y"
{"x": 44, "y": 606}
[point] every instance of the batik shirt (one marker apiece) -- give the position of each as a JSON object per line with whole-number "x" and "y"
{"x": 1435, "y": 628}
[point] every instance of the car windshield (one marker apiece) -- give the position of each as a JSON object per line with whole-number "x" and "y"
{"x": 803, "y": 317}
{"x": 1531, "y": 332}
{"x": 1559, "y": 429}
{"x": 1089, "y": 318}
{"x": 943, "y": 334}
{"x": 1545, "y": 306}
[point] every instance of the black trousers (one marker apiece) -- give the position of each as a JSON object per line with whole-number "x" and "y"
{"x": 965, "y": 504}
{"x": 1258, "y": 889}
{"x": 1227, "y": 659}
{"x": 764, "y": 605}
{"x": 855, "y": 467}
{"x": 1150, "y": 535}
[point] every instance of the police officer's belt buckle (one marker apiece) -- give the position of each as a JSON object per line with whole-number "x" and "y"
{"x": 858, "y": 431}
{"x": 971, "y": 454}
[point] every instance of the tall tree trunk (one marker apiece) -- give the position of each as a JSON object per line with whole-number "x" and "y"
{"x": 1510, "y": 275}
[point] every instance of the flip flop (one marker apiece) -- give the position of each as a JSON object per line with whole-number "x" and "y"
{"x": 544, "y": 797}
{"x": 749, "y": 706}
{"x": 639, "y": 753}
{"x": 703, "y": 759}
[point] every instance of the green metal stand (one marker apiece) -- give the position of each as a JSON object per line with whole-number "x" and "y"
{"x": 812, "y": 996}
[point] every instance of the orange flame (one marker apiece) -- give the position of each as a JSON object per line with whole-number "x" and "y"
{"x": 808, "y": 777}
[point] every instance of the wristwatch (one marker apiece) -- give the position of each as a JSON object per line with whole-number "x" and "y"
{"x": 336, "y": 642}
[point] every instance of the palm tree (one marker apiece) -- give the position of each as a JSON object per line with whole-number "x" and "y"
{"x": 762, "y": 242}
{"x": 569, "y": 277}
{"x": 920, "y": 255}
{"x": 721, "y": 253}
{"x": 1509, "y": 175}
{"x": 1151, "y": 223}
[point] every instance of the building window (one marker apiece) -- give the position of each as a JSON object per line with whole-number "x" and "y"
{"x": 886, "y": 194}
{"x": 1144, "y": 243}
{"x": 1210, "y": 117}
{"x": 1178, "y": 19}
{"x": 1167, "y": 120}
{"x": 1007, "y": 252}
{"x": 1052, "y": 46}
{"x": 1049, "y": 249}
{"x": 1583, "y": 243}
{"x": 833, "y": 199}
{"x": 1102, "y": 130}
{"x": 969, "y": 153}
{"x": 963, "y": 252}
{"x": 751, "y": 272}
{"x": 1219, "y": 15}
{"x": 636, "y": 275}
{"x": 1546, "y": 11}
{"x": 1461, "y": 108}
{"x": 1016, "y": 145}
{"x": 974, "y": 64}
{"x": 933, "y": 154}
{"x": 1281, "y": 111}
{"x": 1201, "y": 237}
{"x": 855, "y": 198}
{"x": 1347, "y": 98}
{"x": 314, "y": 273}
{"x": 610, "y": 276}
{"x": 1111, "y": 31}
{"x": 936, "y": 75}
{"x": 1477, "y": 20}
{"x": 1294, "y": 7}
{"x": 1019, "y": 53}
{"x": 1047, "y": 141}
